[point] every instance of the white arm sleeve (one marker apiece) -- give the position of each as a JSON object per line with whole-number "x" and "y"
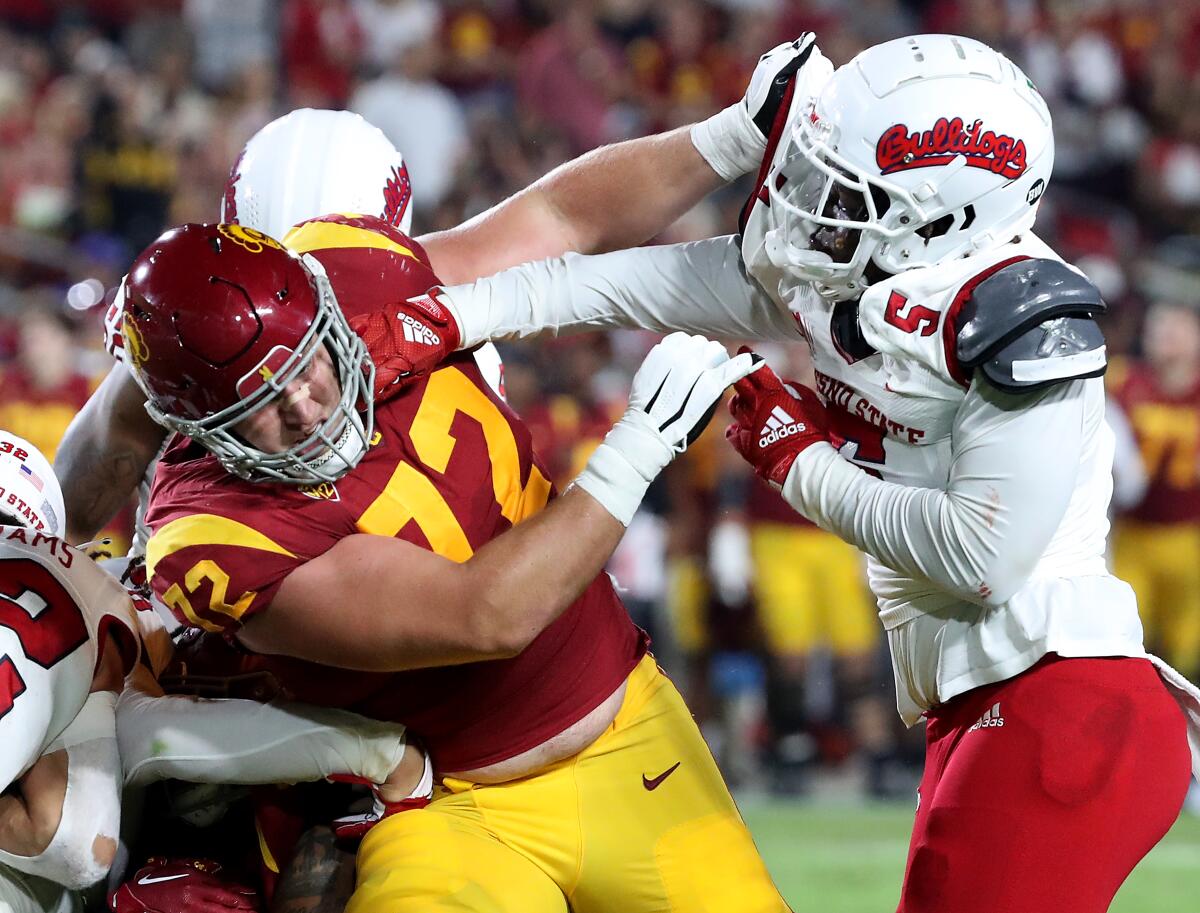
{"x": 1014, "y": 468}
{"x": 699, "y": 287}
{"x": 1129, "y": 473}
{"x": 245, "y": 742}
{"x": 91, "y": 812}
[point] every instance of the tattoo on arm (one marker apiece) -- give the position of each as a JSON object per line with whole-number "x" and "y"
{"x": 95, "y": 486}
{"x": 319, "y": 878}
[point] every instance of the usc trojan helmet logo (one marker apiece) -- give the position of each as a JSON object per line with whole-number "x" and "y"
{"x": 250, "y": 238}
{"x": 135, "y": 346}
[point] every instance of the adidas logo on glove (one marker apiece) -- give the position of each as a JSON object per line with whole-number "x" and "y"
{"x": 779, "y": 425}
{"x": 416, "y": 331}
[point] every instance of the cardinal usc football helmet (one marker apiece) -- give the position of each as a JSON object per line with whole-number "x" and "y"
{"x": 311, "y": 163}
{"x": 218, "y": 321}
{"x": 917, "y": 151}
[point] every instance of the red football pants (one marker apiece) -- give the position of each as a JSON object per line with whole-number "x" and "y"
{"x": 1041, "y": 793}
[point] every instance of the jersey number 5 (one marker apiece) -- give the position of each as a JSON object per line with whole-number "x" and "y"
{"x": 916, "y": 318}
{"x": 35, "y": 605}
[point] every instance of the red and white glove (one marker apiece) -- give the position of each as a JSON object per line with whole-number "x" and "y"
{"x": 182, "y": 886}
{"x": 407, "y": 341}
{"x": 774, "y": 422}
{"x": 349, "y": 830}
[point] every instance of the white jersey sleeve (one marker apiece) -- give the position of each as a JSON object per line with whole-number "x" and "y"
{"x": 242, "y": 741}
{"x": 57, "y": 608}
{"x": 1129, "y": 472}
{"x": 1012, "y": 476}
{"x": 698, "y": 287}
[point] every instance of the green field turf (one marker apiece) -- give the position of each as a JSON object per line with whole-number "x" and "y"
{"x": 830, "y": 858}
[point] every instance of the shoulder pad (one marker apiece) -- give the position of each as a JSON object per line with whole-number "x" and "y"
{"x": 1031, "y": 324}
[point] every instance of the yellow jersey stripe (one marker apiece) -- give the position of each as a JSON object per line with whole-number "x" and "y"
{"x": 264, "y": 848}
{"x": 330, "y": 235}
{"x": 206, "y": 529}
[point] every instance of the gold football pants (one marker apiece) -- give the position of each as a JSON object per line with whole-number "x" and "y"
{"x": 639, "y": 821}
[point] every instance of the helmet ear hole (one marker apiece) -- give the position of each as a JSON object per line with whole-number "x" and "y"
{"x": 936, "y": 228}
{"x": 881, "y": 199}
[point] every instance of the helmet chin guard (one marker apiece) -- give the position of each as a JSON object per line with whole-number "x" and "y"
{"x": 918, "y": 151}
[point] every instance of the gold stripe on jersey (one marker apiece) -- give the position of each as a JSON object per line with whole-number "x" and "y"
{"x": 206, "y": 529}
{"x": 448, "y": 393}
{"x": 264, "y": 848}
{"x": 333, "y": 235}
{"x": 409, "y": 495}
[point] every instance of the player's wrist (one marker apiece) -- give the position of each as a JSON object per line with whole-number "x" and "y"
{"x": 623, "y": 466}
{"x": 730, "y": 142}
{"x": 800, "y": 484}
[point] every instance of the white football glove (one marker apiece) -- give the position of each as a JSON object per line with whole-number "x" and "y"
{"x": 672, "y": 399}
{"x": 734, "y": 141}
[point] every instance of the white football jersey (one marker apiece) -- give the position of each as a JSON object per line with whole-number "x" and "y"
{"x": 887, "y": 370}
{"x": 57, "y": 608}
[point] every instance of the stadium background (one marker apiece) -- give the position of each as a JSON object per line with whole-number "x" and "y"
{"x": 121, "y": 117}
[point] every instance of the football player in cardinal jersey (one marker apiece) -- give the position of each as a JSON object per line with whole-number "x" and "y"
{"x": 311, "y": 163}
{"x": 398, "y": 551}
{"x": 957, "y": 436}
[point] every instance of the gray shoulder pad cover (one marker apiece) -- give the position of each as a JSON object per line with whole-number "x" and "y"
{"x": 1032, "y": 324}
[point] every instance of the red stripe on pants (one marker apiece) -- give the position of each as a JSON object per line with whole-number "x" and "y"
{"x": 1048, "y": 804}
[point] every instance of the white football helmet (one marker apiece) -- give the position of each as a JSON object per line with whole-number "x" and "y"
{"x": 29, "y": 490}
{"x": 917, "y": 151}
{"x": 311, "y": 163}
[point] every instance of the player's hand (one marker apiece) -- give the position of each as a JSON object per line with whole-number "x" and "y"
{"x": 734, "y": 141}
{"x": 407, "y": 341}
{"x": 769, "y": 81}
{"x": 182, "y": 886}
{"x": 674, "y": 394}
{"x": 409, "y": 786}
{"x": 677, "y": 387}
{"x": 774, "y": 422}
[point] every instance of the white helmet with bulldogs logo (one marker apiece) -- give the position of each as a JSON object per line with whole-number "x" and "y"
{"x": 917, "y": 151}
{"x": 311, "y": 163}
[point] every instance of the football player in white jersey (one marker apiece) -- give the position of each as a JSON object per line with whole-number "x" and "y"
{"x": 67, "y": 638}
{"x": 958, "y": 438}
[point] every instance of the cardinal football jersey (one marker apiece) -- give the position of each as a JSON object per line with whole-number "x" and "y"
{"x": 449, "y": 469}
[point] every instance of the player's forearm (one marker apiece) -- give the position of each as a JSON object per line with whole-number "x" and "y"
{"x": 610, "y": 198}
{"x": 29, "y": 816}
{"x": 697, "y": 287}
{"x": 104, "y": 454}
{"x": 377, "y": 604}
{"x": 245, "y": 742}
{"x": 980, "y": 537}
{"x": 526, "y": 578}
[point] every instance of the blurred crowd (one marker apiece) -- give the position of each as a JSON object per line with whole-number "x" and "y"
{"x": 121, "y": 117}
